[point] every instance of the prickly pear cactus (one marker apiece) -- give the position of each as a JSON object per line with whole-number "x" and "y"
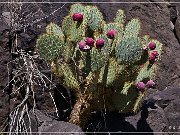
{"x": 104, "y": 64}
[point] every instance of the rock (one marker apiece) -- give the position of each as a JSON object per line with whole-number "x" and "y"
{"x": 50, "y": 126}
{"x": 5, "y": 57}
{"x": 172, "y": 112}
{"x": 60, "y": 127}
{"x": 177, "y": 28}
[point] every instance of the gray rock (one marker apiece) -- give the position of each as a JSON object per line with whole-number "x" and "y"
{"x": 149, "y": 120}
{"x": 172, "y": 112}
{"x": 43, "y": 124}
{"x": 59, "y": 127}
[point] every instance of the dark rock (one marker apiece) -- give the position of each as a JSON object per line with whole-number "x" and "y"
{"x": 5, "y": 57}
{"x": 177, "y": 28}
{"x": 50, "y": 126}
{"x": 172, "y": 112}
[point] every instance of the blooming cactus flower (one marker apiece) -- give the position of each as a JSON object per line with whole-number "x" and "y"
{"x": 152, "y": 57}
{"x": 89, "y": 42}
{"x": 150, "y": 84}
{"x": 155, "y": 53}
{"x": 83, "y": 47}
{"x": 111, "y": 34}
{"x": 77, "y": 17}
{"x": 82, "y": 44}
{"x": 99, "y": 43}
{"x": 140, "y": 86}
{"x": 152, "y": 45}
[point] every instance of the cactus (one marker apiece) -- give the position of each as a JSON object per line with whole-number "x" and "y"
{"x": 99, "y": 60}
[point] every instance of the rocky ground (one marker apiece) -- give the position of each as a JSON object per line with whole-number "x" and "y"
{"x": 160, "y": 112}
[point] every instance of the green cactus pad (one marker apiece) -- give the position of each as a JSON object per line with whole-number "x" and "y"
{"x": 77, "y": 8}
{"x": 69, "y": 78}
{"x": 114, "y": 70}
{"x": 110, "y": 44}
{"x": 120, "y": 17}
{"x": 50, "y": 46}
{"x": 68, "y": 51}
{"x": 132, "y": 29}
{"x": 129, "y": 51}
{"x": 95, "y": 18}
{"x": 98, "y": 59}
{"x": 54, "y": 29}
{"x": 73, "y": 31}
{"x": 123, "y": 99}
{"x": 138, "y": 102}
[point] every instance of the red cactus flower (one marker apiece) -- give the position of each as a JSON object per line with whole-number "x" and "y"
{"x": 140, "y": 86}
{"x": 155, "y": 53}
{"x": 99, "y": 43}
{"x": 77, "y": 17}
{"x": 111, "y": 34}
{"x": 82, "y": 44}
{"x": 150, "y": 84}
{"x": 152, "y": 57}
{"x": 152, "y": 45}
{"x": 90, "y": 42}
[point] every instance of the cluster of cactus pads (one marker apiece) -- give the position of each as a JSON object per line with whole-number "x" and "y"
{"x": 106, "y": 65}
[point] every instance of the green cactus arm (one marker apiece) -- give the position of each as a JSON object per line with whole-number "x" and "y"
{"x": 123, "y": 99}
{"x": 110, "y": 44}
{"x": 69, "y": 78}
{"x": 138, "y": 102}
{"x": 54, "y": 29}
{"x": 114, "y": 71}
{"x": 132, "y": 29}
{"x": 120, "y": 17}
{"x": 98, "y": 59}
{"x": 74, "y": 31}
{"x": 49, "y": 46}
{"x": 129, "y": 51}
{"x": 95, "y": 18}
{"x": 148, "y": 70}
{"x": 77, "y": 8}
{"x": 68, "y": 51}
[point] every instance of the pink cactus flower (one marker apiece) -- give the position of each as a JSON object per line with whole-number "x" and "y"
{"x": 155, "y": 53}
{"x": 140, "y": 86}
{"x": 99, "y": 43}
{"x": 83, "y": 47}
{"x": 111, "y": 34}
{"x": 82, "y": 44}
{"x": 90, "y": 42}
{"x": 152, "y": 57}
{"x": 152, "y": 45}
{"x": 77, "y": 17}
{"x": 150, "y": 84}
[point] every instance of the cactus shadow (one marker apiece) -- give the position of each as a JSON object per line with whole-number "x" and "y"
{"x": 117, "y": 122}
